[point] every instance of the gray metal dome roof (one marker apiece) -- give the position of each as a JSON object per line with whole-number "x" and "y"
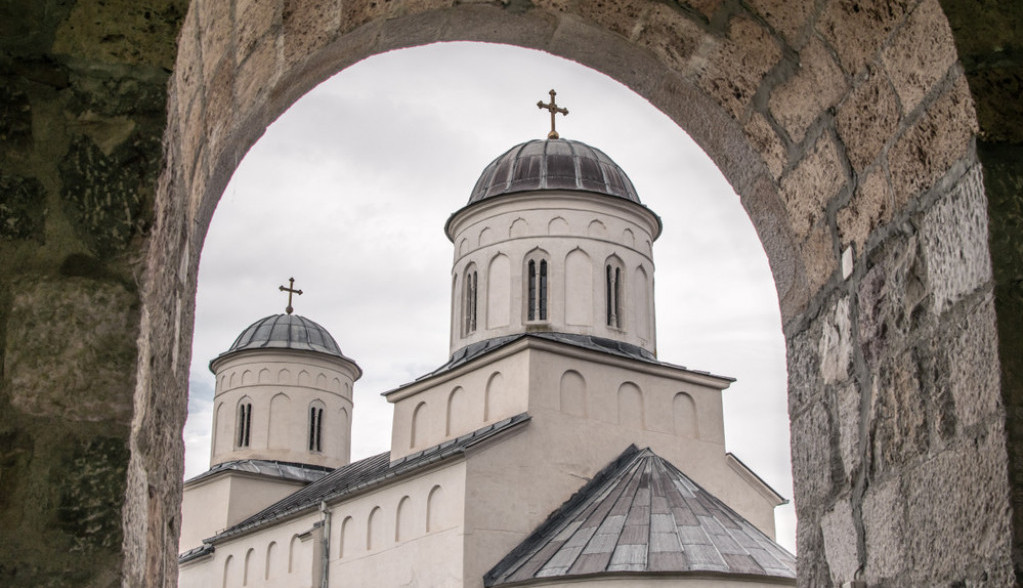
{"x": 285, "y": 331}
{"x": 553, "y": 164}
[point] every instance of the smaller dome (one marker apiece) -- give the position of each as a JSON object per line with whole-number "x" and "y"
{"x": 553, "y": 164}
{"x": 285, "y": 331}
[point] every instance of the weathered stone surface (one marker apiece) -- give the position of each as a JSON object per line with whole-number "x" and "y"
{"x": 256, "y": 22}
{"x": 15, "y": 119}
{"x": 814, "y": 181}
{"x": 857, "y": 28}
{"x": 622, "y": 17}
{"x": 883, "y": 521}
{"x": 122, "y": 31}
{"x": 767, "y": 143}
{"x": 803, "y": 362}
{"x": 705, "y": 7}
{"x": 219, "y": 105}
{"x": 216, "y": 38}
{"x": 816, "y": 86}
{"x": 898, "y": 415}
{"x": 849, "y": 420}
{"x": 21, "y": 217}
{"x": 940, "y": 137}
{"x": 811, "y": 563}
{"x": 920, "y": 54}
{"x": 965, "y": 366}
{"x": 839, "y": 535}
{"x": 819, "y": 256}
{"x": 870, "y": 207}
{"x": 670, "y": 35}
{"x": 811, "y": 462}
{"x": 836, "y": 343}
{"x": 953, "y": 242}
{"x": 92, "y": 483}
{"x": 69, "y": 344}
{"x": 734, "y": 68}
{"x": 254, "y": 77}
{"x": 305, "y": 28}
{"x": 788, "y": 18}
{"x": 957, "y": 515}
{"x": 867, "y": 119}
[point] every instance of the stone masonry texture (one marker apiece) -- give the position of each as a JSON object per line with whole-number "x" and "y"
{"x": 893, "y": 127}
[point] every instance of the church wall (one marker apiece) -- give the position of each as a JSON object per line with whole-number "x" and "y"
{"x": 561, "y": 228}
{"x": 457, "y": 403}
{"x": 282, "y": 387}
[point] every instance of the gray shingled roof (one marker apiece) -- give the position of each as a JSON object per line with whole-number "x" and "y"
{"x": 642, "y": 515}
{"x": 362, "y": 475}
{"x": 298, "y": 472}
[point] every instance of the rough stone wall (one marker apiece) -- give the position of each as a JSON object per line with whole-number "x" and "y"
{"x": 82, "y": 117}
{"x": 847, "y": 127}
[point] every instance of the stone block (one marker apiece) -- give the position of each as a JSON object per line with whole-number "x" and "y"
{"x": 953, "y": 242}
{"x": 766, "y": 142}
{"x": 967, "y": 365}
{"x": 734, "y": 67}
{"x": 122, "y": 31}
{"x": 670, "y": 35}
{"x": 255, "y": 76}
{"x": 898, "y": 426}
{"x": 839, "y": 534}
{"x": 788, "y": 18}
{"x": 819, "y": 257}
{"x": 848, "y": 399}
{"x": 188, "y": 67}
{"x": 70, "y": 349}
{"x": 958, "y": 514}
{"x": 811, "y": 563}
{"x": 920, "y": 54}
{"x": 219, "y": 106}
{"x": 705, "y": 7}
{"x": 940, "y": 137}
{"x": 856, "y": 29}
{"x": 623, "y": 17}
{"x": 216, "y": 36}
{"x": 870, "y": 207}
{"x": 836, "y": 343}
{"x": 803, "y": 364}
{"x": 867, "y": 119}
{"x": 22, "y": 209}
{"x": 815, "y": 86}
{"x": 307, "y": 26}
{"x": 892, "y": 291}
{"x": 882, "y": 514}
{"x": 809, "y": 187}
{"x": 811, "y": 456}
{"x": 257, "y": 23}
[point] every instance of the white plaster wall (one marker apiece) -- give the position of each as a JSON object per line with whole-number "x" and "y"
{"x": 495, "y": 389}
{"x": 497, "y": 236}
{"x": 405, "y": 550}
{"x": 288, "y": 381}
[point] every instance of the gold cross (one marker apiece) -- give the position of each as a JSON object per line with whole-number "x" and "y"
{"x": 290, "y": 290}
{"x": 553, "y": 107}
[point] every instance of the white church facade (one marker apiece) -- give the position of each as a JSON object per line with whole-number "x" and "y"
{"x": 553, "y": 448}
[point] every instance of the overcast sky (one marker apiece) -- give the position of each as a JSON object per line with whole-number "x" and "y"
{"x": 349, "y": 190}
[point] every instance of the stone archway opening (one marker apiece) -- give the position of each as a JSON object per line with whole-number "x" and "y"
{"x": 847, "y": 135}
{"x": 349, "y": 188}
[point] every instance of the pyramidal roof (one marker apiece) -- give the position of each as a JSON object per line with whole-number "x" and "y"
{"x": 640, "y": 514}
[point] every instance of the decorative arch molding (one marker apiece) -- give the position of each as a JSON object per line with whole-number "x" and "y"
{"x": 270, "y": 571}
{"x": 498, "y": 289}
{"x": 558, "y": 226}
{"x": 519, "y": 228}
{"x": 495, "y": 400}
{"x": 404, "y": 520}
{"x": 631, "y": 409}
{"x": 572, "y": 394}
{"x": 347, "y": 543}
{"x": 279, "y": 422}
{"x": 685, "y": 417}
{"x": 459, "y": 417}
{"x": 420, "y": 421}
{"x": 375, "y": 529}
{"x": 579, "y": 285}
{"x": 436, "y": 510}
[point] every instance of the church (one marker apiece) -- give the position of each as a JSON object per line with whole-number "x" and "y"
{"x": 554, "y": 447}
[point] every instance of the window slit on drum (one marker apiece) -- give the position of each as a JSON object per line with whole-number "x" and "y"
{"x": 537, "y": 295}
{"x": 470, "y": 302}
{"x": 315, "y": 428}
{"x": 531, "y": 314}
{"x": 244, "y": 424}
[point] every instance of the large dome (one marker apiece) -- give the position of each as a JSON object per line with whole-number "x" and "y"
{"x": 285, "y": 331}
{"x": 553, "y": 164}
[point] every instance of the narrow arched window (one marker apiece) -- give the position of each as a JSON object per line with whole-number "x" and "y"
{"x": 613, "y": 295}
{"x": 315, "y": 428}
{"x": 244, "y": 423}
{"x": 469, "y": 307}
{"x": 536, "y": 290}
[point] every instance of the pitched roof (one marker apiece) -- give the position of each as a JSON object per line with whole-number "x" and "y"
{"x": 364, "y": 474}
{"x": 297, "y": 472}
{"x": 640, "y": 514}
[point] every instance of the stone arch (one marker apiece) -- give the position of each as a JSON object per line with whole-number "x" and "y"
{"x": 420, "y": 421}
{"x": 631, "y": 412}
{"x": 459, "y": 418}
{"x": 685, "y": 417}
{"x": 436, "y": 510}
{"x": 404, "y": 520}
{"x": 572, "y": 394}
{"x": 495, "y": 400}
{"x": 770, "y": 150}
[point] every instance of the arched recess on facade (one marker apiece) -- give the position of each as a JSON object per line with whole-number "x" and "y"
{"x": 778, "y": 163}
